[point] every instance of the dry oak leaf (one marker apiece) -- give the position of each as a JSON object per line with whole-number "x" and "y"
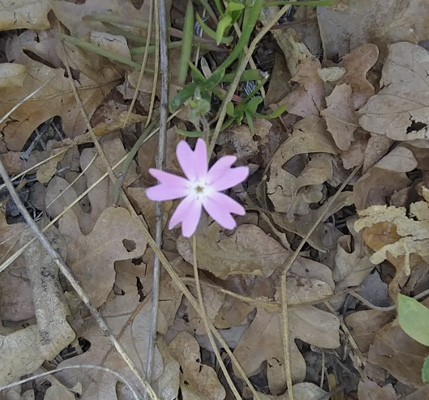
{"x": 196, "y": 377}
{"x": 248, "y": 251}
{"x": 371, "y": 391}
{"x": 116, "y": 236}
{"x": 400, "y": 110}
{"x": 357, "y": 64}
{"x": 133, "y": 333}
{"x": 340, "y": 116}
{"x": 262, "y": 341}
{"x": 412, "y": 232}
{"x": 55, "y": 99}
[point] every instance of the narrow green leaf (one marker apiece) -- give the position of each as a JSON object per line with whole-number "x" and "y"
{"x": 211, "y": 33}
{"x": 188, "y": 35}
{"x": 222, "y": 26}
{"x": 214, "y": 80}
{"x": 425, "y": 370}
{"x": 196, "y": 134}
{"x": 248, "y": 75}
{"x": 274, "y": 114}
{"x": 320, "y": 3}
{"x": 249, "y": 120}
{"x": 230, "y": 109}
{"x": 414, "y": 319}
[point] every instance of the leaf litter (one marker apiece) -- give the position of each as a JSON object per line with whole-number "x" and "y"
{"x": 357, "y": 103}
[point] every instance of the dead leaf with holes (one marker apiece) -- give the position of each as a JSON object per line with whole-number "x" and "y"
{"x": 197, "y": 379}
{"x": 248, "y": 251}
{"x": 132, "y": 331}
{"x": 400, "y": 110}
{"x": 116, "y": 236}
{"x": 56, "y": 98}
{"x": 262, "y": 342}
{"x": 309, "y": 136}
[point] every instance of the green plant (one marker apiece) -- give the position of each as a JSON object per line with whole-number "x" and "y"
{"x": 414, "y": 320}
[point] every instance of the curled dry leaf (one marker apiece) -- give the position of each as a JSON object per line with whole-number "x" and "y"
{"x": 249, "y": 251}
{"x": 196, "y": 377}
{"x": 400, "y": 109}
{"x": 116, "y": 236}
{"x": 340, "y": 116}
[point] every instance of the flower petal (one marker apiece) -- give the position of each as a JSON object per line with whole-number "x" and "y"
{"x": 193, "y": 163}
{"x": 165, "y": 192}
{"x": 230, "y": 178}
{"x": 220, "y": 206}
{"x": 168, "y": 179}
{"x": 220, "y": 167}
{"x": 188, "y": 212}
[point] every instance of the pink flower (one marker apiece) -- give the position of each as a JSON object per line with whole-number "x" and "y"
{"x": 201, "y": 188}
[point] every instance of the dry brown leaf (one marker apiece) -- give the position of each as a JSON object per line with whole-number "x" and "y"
{"x": 357, "y": 22}
{"x": 248, "y": 251}
{"x": 279, "y": 85}
{"x": 24, "y": 14}
{"x": 133, "y": 333}
{"x": 56, "y": 98}
{"x": 386, "y": 177}
{"x": 195, "y": 376}
{"x": 398, "y": 354}
{"x": 309, "y": 98}
{"x": 168, "y": 384}
{"x": 340, "y": 116}
{"x": 115, "y": 44}
{"x": 116, "y": 236}
{"x": 309, "y": 136}
{"x": 400, "y": 109}
{"x": 262, "y": 342}
{"x": 356, "y": 152}
{"x": 14, "y": 280}
{"x": 369, "y": 390}
{"x": 24, "y": 351}
{"x": 12, "y": 75}
{"x": 364, "y": 325}
{"x": 325, "y": 235}
{"x": 357, "y": 64}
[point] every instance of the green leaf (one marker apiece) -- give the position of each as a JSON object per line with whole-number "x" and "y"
{"x": 414, "y": 319}
{"x": 425, "y": 370}
{"x": 211, "y": 33}
{"x": 222, "y": 26}
{"x": 181, "y": 97}
{"x": 249, "y": 120}
{"x": 188, "y": 35}
{"x": 230, "y": 110}
{"x": 214, "y": 80}
{"x": 253, "y": 104}
{"x": 233, "y": 6}
{"x": 196, "y": 134}
{"x": 274, "y": 114}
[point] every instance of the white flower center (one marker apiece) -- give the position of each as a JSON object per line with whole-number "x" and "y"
{"x": 199, "y": 189}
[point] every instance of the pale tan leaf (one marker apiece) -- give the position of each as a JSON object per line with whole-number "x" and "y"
{"x": 340, "y": 116}
{"x": 24, "y": 14}
{"x": 116, "y": 236}
{"x": 369, "y": 390}
{"x": 400, "y": 109}
{"x": 12, "y": 75}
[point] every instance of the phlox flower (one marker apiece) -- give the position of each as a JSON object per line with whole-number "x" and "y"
{"x": 201, "y": 188}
